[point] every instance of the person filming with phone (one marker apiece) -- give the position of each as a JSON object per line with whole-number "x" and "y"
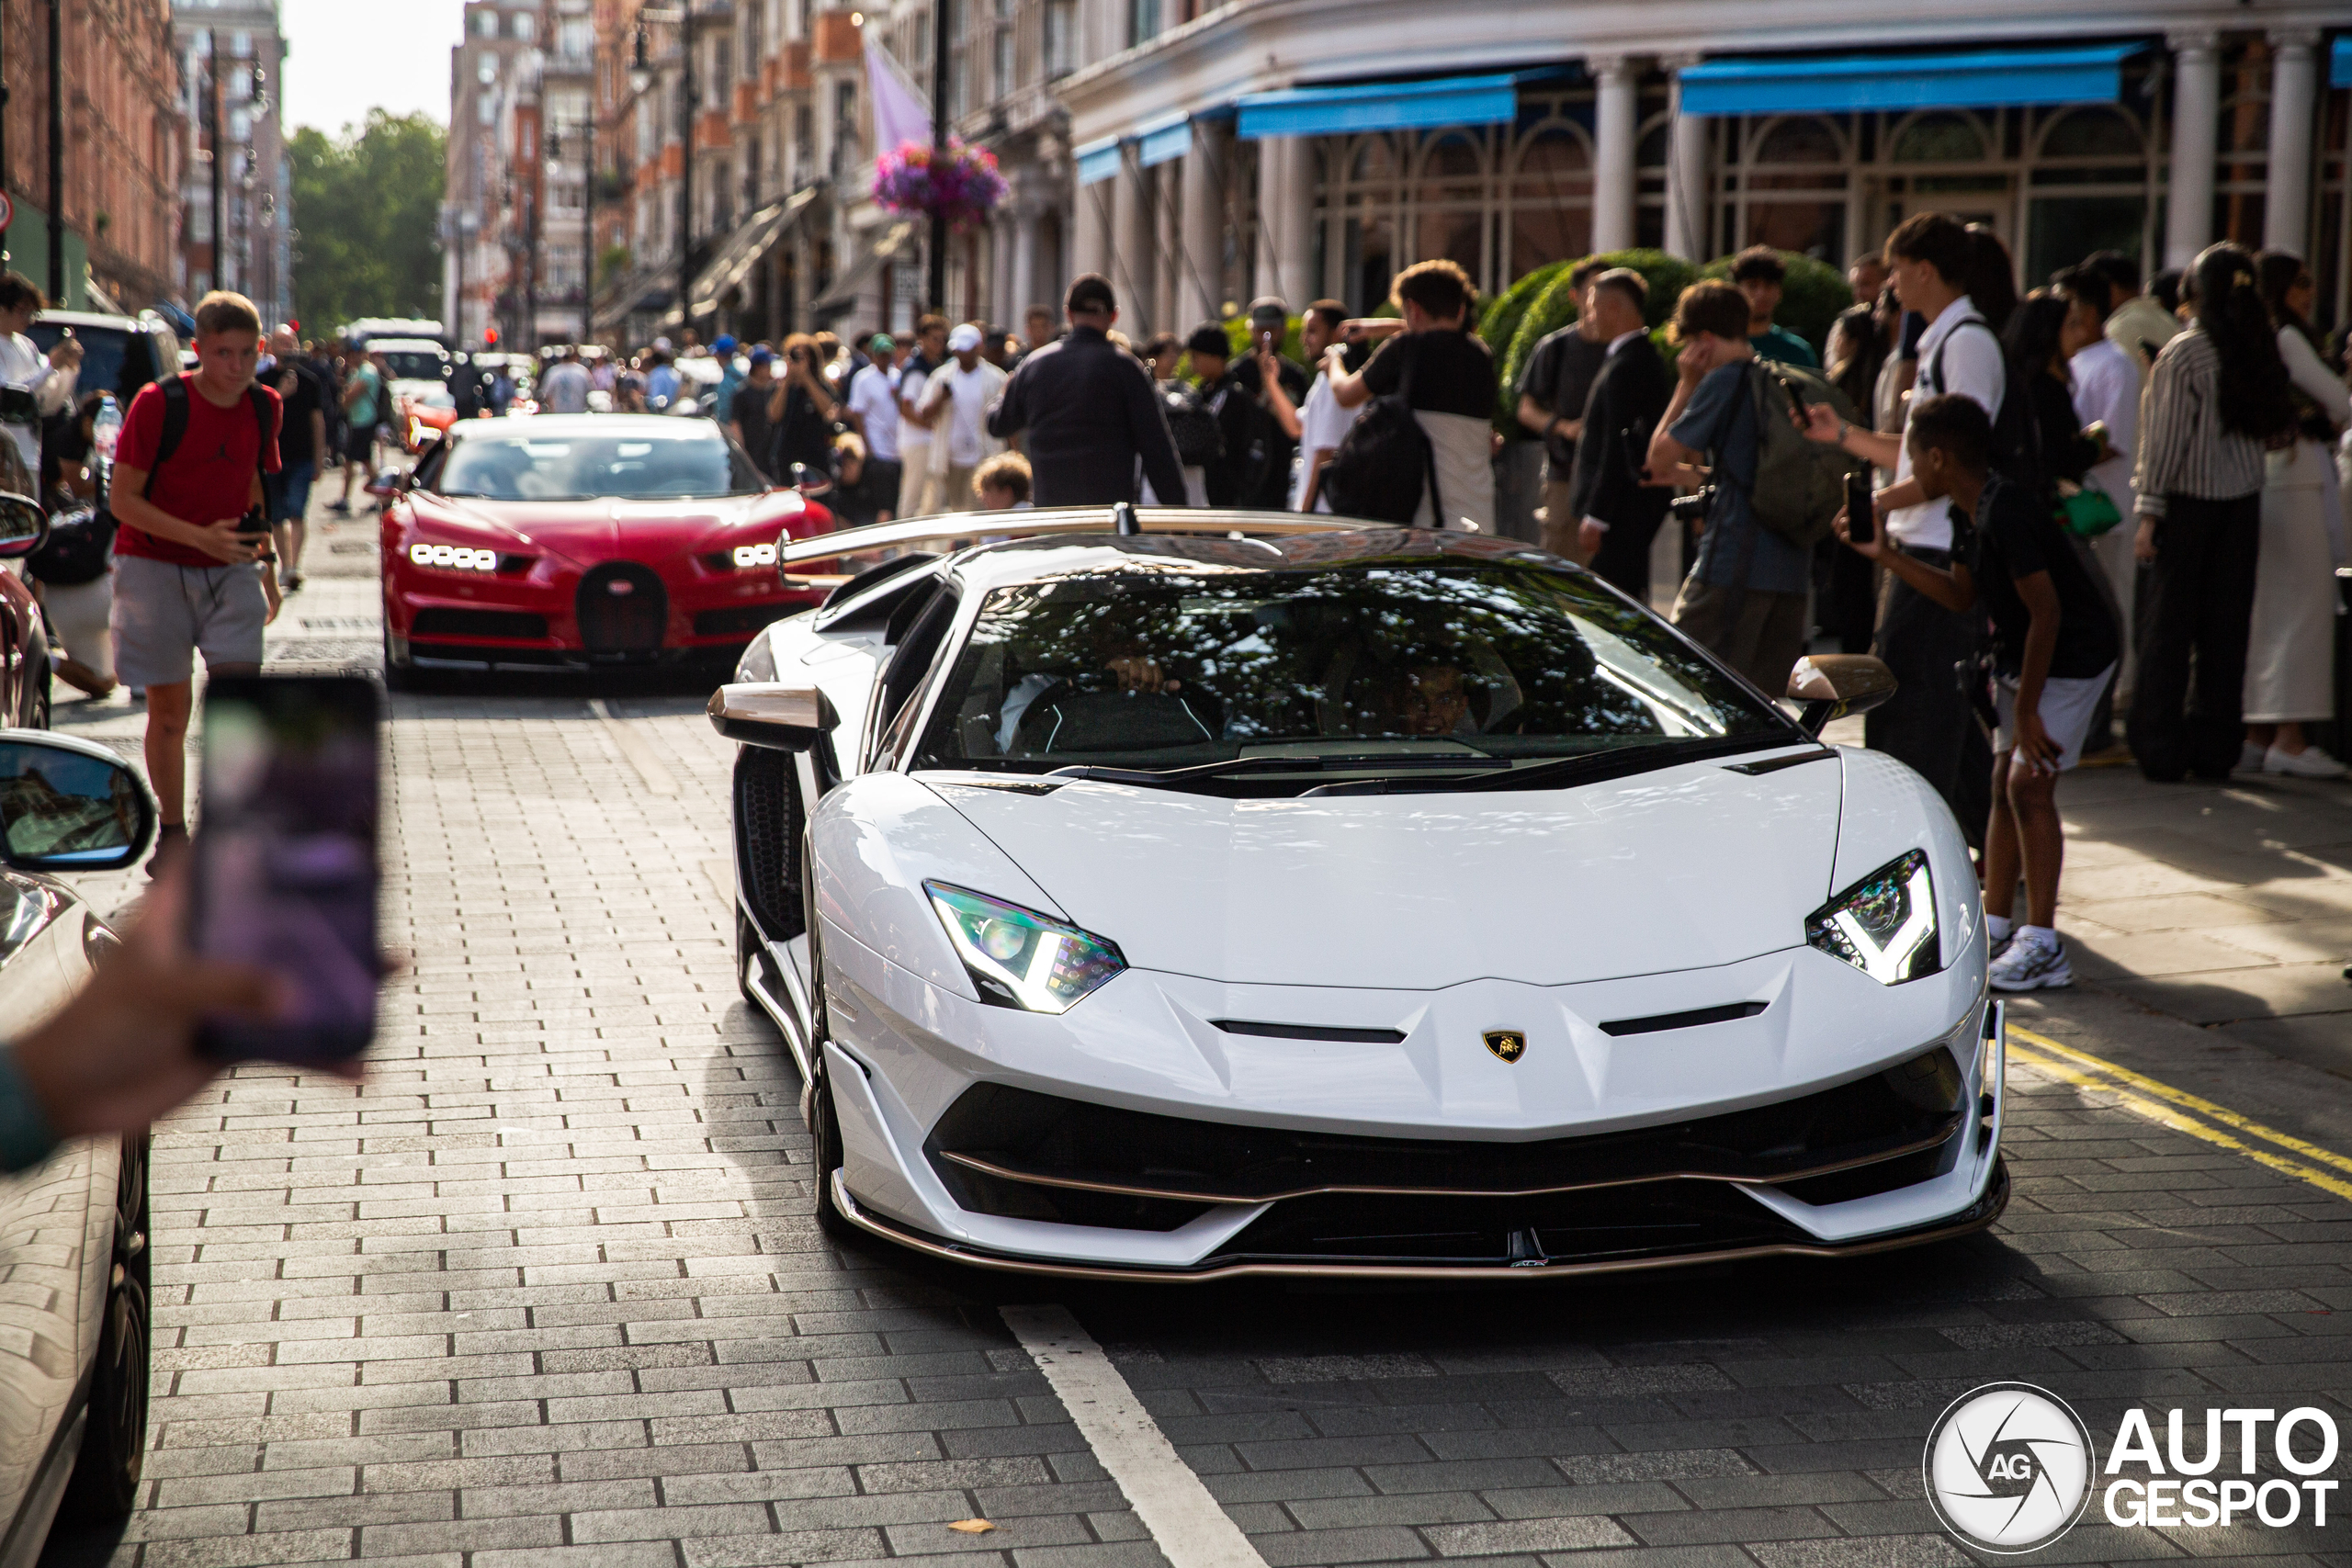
{"x": 2054, "y": 647}
{"x": 192, "y": 570}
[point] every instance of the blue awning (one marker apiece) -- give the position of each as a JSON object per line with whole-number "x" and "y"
{"x": 1979, "y": 79}
{"x": 2339, "y": 62}
{"x": 1157, "y": 141}
{"x": 1380, "y": 105}
{"x": 1097, "y": 159}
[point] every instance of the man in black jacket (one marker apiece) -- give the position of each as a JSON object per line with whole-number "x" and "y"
{"x": 1090, "y": 412}
{"x": 1617, "y": 508}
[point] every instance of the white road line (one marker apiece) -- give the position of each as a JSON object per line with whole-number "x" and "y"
{"x": 633, "y": 746}
{"x": 1191, "y": 1530}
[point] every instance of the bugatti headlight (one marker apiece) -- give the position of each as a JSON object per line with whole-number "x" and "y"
{"x": 1886, "y": 924}
{"x": 1019, "y": 958}
{"x": 751, "y": 557}
{"x": 453, "y": 558}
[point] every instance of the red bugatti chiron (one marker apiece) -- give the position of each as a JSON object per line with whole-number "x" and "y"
{"x": 584, "y": 541}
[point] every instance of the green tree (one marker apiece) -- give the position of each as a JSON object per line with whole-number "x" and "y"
{"x": 367, "y": 205}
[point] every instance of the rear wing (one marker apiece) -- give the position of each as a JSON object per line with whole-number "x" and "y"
{"x": 970, "y": 528}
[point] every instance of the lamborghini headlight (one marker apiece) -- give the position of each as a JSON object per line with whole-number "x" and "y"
{"x": 1019, "y": 958}
{"x": 1886, "y": 924}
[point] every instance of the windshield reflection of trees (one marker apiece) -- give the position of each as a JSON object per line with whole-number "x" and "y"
{"x": 1507, "y": 660}
{"x": 582, "y": 467}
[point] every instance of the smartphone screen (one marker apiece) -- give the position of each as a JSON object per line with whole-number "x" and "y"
{"x": 1862, "y": 508}
{"x": 285, "y": 859}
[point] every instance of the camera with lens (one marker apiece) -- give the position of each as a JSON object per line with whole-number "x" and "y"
{"x": 1693, "y": 508}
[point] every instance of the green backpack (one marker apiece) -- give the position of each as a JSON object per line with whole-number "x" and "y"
{"x": 1800, "y": 483}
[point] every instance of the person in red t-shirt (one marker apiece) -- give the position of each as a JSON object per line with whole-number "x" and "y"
{"x": 191, "y": 571}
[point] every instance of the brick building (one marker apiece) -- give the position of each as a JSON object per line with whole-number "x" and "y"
{"x": 122, "y": 148}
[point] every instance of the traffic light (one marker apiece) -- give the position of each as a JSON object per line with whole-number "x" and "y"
{"x": 490, "y": 337}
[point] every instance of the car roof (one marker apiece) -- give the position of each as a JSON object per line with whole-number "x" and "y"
{"x": 404, "y": 345}
{"x": 552, "y": 426}
{"x": 92, "y": 319}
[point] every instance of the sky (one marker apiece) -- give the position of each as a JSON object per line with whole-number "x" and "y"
{"x": 349, "y": 56}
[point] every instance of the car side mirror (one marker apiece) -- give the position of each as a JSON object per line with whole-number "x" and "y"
{"x": 779, "y": 715}
{"x": 24, "y": 526}
{"x": 1834, "y": 685}
{"x": 68, "y": 804}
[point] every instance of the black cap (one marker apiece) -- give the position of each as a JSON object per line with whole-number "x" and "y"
{"x": 1207, "y": 339}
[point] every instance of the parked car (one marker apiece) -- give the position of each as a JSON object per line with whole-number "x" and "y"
{"x": 119, "y": 353}
{"x": 583, "y": 540}
{"x": 74, "y": 1332}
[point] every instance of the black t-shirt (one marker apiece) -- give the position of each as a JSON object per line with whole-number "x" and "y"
{"x": 298, "y": 386}
{"x": 803, "y": 435}
{"x": 751, "y": 411}
{"x": 1453, "y": 373}
{"x": 2015, "y": 538}
{"x": 1559, "y": 375}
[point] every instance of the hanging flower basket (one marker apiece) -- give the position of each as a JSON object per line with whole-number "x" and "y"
{"x": 958, "y": 183}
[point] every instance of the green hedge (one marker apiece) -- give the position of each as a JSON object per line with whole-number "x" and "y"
{"x": 1555, "y": 306}
{"x": 1499, "y": 322}
{"x": 1810, "y": 298}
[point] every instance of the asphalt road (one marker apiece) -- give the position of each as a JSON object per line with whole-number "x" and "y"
{"x": 546, "y": 1291}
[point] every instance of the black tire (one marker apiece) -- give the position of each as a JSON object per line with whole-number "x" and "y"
{"x": 398, "y": 677}
{"x": 825, "y": 1140}
{"x": 747, "y": 952}
{"x": 104, "y": 1484}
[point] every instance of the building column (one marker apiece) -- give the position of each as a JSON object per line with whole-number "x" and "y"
{"x": 2196, "y": 129}
{"x": 1615, "y": 148}
{"x": 1089, "y": 230}
{"x": 1286, "y": 221}
{"x": 1133, "y": 259}
{"x": 1201, "y": 261}
{"x": 2294, "y": 94}
{"x": 1688, "y": 195}
{"x": 1024, "y": 265}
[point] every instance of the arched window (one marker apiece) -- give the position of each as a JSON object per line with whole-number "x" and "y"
{"x": 1551, "y": 198}
{"x": 1939, "y": 139}
{"x": 2099, "y": 132}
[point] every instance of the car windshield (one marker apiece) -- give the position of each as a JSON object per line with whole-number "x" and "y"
{"x": 1391, "y": 664}
{"x": 412, "y": 364}
{"x": 113, "y": 360}
{"x": 696, "y": 460}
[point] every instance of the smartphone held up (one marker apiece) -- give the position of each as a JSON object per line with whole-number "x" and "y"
{"x": 284, "y": 860}
{"x": 1862, "y": 508}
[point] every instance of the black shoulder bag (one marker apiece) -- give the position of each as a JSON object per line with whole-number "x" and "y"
{"x": 1382, "y": 462}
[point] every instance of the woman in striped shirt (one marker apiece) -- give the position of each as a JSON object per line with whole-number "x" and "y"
{"x": 2217, "y": 394}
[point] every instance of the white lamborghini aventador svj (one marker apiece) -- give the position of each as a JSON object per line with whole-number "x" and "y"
{"x": 1202, "y": 894}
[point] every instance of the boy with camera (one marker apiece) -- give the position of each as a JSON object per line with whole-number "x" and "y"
{"x": 192, "y": 557}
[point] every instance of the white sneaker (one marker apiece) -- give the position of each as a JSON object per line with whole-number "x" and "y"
{"x": 2311, "y": 762}
{"x": 2031, "y": 964}
{"x": 2250, "y": 758}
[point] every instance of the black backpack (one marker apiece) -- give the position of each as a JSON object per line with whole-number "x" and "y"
{"x": 1199, "y": 443}
{"x": 1382, "y": 462}
{"x": 2015, "y": 449}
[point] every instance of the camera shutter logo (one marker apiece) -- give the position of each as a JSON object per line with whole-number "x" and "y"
{"x": 2010, "y": 1468}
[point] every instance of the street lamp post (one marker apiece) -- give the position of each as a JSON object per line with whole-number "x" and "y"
{"x": 219, "y": 173}
{"x": 56, "y": 154}
{"x": 686, "y": 106}
{"x": 939, "y": 65}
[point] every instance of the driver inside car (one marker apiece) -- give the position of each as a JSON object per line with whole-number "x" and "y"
{"x": 1431, "y": 700}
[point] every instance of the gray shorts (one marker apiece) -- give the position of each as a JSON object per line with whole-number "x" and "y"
{"x": 2068, "y": 706}
{"x": 164, "y": 614}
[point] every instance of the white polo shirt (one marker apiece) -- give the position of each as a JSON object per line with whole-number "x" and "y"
{"x": 1971, "y": 366}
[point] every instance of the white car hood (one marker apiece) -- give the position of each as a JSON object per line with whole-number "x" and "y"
{"x": 1689, "y": 866}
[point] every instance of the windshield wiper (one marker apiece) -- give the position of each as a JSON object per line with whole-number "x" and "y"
{"x": 1617, "y": 761}
{"x": 1234, "y": 766}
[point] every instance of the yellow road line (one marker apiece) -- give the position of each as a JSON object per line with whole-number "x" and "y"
{"x": 2186, "y": 1101}
{"x": 2165, "y": 1116}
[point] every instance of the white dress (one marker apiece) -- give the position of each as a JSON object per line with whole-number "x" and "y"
{"x": 2289, "y": 664}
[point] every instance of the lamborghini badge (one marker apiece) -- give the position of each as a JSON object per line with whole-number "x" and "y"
{"x": 1508, "y": 1043}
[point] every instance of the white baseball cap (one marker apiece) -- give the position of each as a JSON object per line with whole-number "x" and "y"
{"x": 964, "y": 339}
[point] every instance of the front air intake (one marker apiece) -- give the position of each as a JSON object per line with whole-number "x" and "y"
{"x": 623, "y": 609}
